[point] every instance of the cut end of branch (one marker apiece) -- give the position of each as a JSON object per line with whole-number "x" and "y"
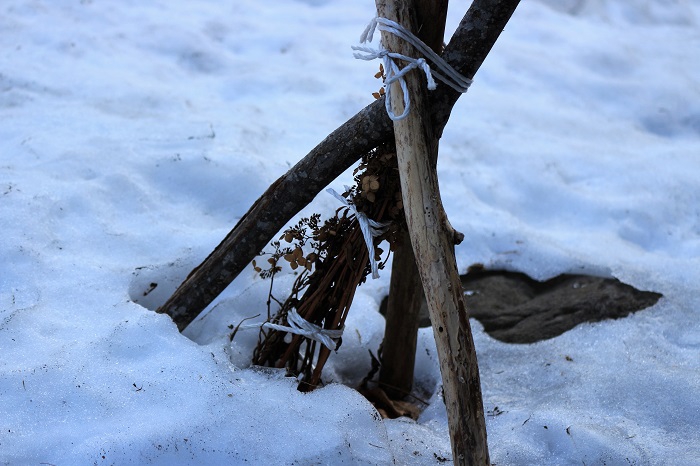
{"x": 457, "y": 237}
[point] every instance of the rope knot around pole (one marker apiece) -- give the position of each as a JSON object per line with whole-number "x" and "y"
{"x": 447, "y": 74}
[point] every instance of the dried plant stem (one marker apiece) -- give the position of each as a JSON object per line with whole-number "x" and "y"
{"x": 328, "y": 296}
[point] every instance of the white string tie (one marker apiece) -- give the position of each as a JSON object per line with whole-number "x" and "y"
{"x": 370, "y": 229}
{"x": 449, "y": 75}
{"x": 301, "y": 326}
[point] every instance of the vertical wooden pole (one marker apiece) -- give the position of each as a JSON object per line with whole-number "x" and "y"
{"x": 398, "y": 356}
{"x": 406, "y": 290}
{"x": 432, "y": 240}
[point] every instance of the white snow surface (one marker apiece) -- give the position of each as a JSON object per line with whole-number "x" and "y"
{"x": 135, "y": 134}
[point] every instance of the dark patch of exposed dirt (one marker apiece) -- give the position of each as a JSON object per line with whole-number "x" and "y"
{"x": 514, "y": 308}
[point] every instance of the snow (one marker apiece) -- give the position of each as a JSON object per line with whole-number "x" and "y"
{"x": 135, "y": 134}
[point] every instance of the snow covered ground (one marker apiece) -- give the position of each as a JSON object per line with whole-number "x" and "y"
{"x": 134, "y": 135}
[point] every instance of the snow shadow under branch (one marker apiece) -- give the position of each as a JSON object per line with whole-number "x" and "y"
{"x": 152, "y": 285}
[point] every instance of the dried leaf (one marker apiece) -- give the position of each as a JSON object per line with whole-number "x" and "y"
{"x": 378, "y": 254}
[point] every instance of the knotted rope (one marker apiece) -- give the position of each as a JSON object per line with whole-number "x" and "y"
{"x": 301, "y": 326}
{"x": 449, "y": 75}
{"x": 370, "y": 229}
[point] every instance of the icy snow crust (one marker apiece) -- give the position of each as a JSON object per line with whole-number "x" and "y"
{"x": 135, "y": 134}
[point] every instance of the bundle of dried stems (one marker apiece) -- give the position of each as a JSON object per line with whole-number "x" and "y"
{"x": 323, "y": 294}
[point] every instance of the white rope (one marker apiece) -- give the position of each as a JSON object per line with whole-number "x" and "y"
{"x": 449, "y": 75}
{"x": 394, "y": 74}
{"x": 370, "y": 229}
{"x": 301, "y": 326}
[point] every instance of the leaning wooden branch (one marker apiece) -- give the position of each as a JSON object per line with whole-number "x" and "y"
{"x": 398, "y": 353}
{"x": 432, "y": 238}
{"x": 371, "y": 127}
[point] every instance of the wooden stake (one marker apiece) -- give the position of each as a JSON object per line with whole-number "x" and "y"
{"x": 433, "y": 244}
{"x": 398, "y": 356}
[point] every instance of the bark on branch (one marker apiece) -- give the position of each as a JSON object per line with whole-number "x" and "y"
{"x": 371, "y": 127}
{"x": 398, "y": 354}
{"x": 433, "y": 244}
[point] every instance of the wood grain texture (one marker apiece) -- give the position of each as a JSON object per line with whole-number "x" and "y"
{"x": 405, "y": 289}
{"x": 432, "y": 239}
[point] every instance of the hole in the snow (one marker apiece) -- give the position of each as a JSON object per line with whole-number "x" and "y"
{"x": 152, "y": 285}
{"x": 515, "y": 308}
